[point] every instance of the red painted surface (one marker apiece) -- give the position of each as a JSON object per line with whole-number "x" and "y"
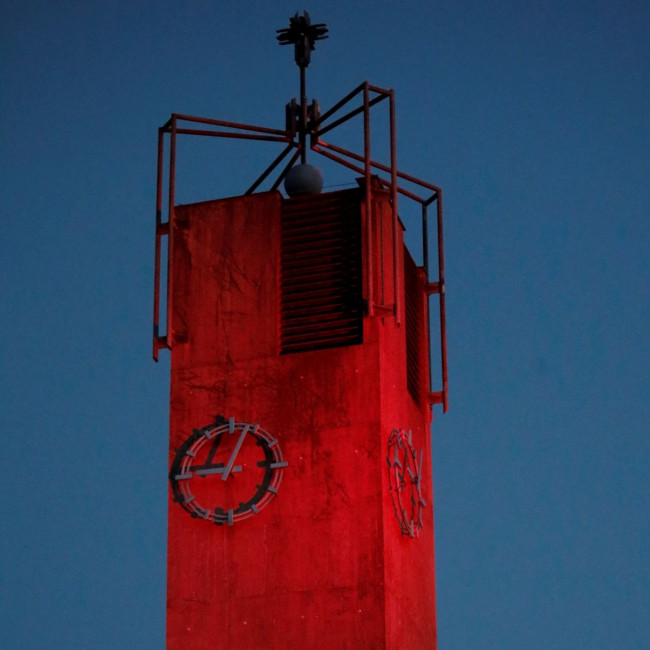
{"x": 324, "y": 565}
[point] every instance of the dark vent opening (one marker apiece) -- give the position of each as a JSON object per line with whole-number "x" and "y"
{"x": 414, "y": 316}
{"x": 321, "y": 301}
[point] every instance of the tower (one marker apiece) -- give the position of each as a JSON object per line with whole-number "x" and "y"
{"x": 300, "y": 502}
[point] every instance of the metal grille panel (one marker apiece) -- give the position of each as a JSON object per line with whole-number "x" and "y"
{"x": 414, "y": 308}
{"x": 321, "y": 303}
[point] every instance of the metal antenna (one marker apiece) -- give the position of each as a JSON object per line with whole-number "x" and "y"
{"x": 303, "y": 35}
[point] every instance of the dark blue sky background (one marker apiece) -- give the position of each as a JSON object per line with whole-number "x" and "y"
{"x": 534, "y": 119}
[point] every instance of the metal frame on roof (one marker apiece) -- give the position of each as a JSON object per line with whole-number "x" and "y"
{"x": 388, "y": 177}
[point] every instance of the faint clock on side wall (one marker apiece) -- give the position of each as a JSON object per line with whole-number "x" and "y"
{"x": 404, "y": 480}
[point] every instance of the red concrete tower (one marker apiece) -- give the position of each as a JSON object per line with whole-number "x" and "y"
{"x": 300, "y": 502}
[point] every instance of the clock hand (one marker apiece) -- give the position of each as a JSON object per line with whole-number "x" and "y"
{"x": 235, "y": 451}
{"x": 216, "y": 470}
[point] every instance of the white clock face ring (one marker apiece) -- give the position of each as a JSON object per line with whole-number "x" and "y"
{"x": 227, "y": 471}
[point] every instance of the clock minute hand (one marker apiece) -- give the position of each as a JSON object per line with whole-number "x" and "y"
{"x": 228, "y": 468}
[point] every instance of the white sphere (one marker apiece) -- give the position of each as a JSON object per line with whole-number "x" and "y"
{"x": 303, "y": 179}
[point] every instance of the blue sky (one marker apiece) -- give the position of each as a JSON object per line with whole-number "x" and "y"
{"x": 532, "y": 117}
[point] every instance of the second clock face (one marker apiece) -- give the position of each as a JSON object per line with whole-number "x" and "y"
{"x": 404, "y": 480}
{"x": 226, "y": 472}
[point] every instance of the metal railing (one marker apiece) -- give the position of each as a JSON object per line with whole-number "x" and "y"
{"x": 394, "y": 181}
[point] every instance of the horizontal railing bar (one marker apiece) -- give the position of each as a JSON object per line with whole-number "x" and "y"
{"x": 360, "y": 170}
{"x": 227, "y": 134}
{"x": 385, "y": 168}
{"x": 381, "y": 91}
{"x": 232, "y": 125}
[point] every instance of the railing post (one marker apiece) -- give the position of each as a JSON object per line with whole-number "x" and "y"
{"x": 443, "y": 320}
{"x": 369, "y": 215}
{"x": 397, "y": 275}
{"x": 170, "y": 235}
{"x": 159, "y": 200}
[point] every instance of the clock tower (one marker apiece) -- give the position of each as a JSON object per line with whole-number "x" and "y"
{"x": 300, "y": 500}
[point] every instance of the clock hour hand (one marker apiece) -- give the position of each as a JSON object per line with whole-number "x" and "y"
{"x": 229, "y": 466}
{"x": 206, "y": 471}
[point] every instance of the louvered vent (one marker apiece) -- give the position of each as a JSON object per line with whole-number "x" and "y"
{"x": 414, "y": 316}
{"x": 321, "y": 303}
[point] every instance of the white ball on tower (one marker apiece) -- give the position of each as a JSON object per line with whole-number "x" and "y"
{"x": 303, "y": 180}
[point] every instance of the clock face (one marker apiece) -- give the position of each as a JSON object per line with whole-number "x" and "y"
{"x": 227, "y": 471}
{"x": 404, "y": 473}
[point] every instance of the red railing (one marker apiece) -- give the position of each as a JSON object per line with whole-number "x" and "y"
{"x": 361, "y": 164}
